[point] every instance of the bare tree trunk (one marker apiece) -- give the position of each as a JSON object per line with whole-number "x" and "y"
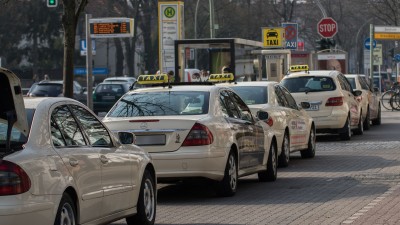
{"x": 119, "y": 54}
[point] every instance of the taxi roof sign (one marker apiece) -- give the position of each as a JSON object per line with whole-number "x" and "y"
{"x": 221, "y": 77}
{"x": 153, "y": 79}
{"x": 298, "y": 68}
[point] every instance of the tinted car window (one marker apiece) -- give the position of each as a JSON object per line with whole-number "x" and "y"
{"x": 309, "y": 84}
{"x": 47, "y": 90}
{"x": 352, "y": 82}
{"x": 161, "y": 104}
{"x": 112, "y": 88}
{"x": 64, "y": 126}
{"x": 252, "y": 95}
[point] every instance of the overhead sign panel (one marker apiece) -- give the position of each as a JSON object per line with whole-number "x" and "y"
{"x": 387, "y": 33}
{"x": 273, "y": 37}
{"x": 111, "y": 27}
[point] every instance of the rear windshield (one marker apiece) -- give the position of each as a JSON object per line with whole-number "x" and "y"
{"x": 17, "y": 137}
{"x": 352, "y": 81}
{"x": 252, "y": 95}
{"x": 161, "y": 104}
{"x": 49, "y": 89}
{"x": 112, "y": 88}
{"x": 309, "y": 84}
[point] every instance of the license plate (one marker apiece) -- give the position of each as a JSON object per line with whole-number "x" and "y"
{"x": 145, "y": 140}
{"x": 313, "y": 107}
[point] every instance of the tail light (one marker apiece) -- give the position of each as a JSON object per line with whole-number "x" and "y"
{"x": 269, "y": 121}
{"x": 13, "y": 179}
{"x": 335, "y": 101}
{"x": 198, "y": 135}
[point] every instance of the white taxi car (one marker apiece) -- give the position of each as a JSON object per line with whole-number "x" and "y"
{"x": 197, "y": 131}
{"x": 60, "y": 165}
{"x": 333, "y": 104}
{"x": 369, "y": 99}
{"x": 293, "y": 127}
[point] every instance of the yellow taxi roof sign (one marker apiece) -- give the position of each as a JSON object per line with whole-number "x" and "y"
{"x": 153, "y": 79}
{"x": 221, "y": 77}
{"x": 298, "y": 68}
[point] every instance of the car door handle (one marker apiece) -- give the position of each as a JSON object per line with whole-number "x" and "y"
{"x": 103, "y": 159}
{"x": 73, "y": 162}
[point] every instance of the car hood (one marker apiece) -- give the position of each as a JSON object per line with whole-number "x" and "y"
{"x": 12, "y": 106}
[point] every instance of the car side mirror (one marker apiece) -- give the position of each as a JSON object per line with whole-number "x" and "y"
{"x": 127, "y": 138}
{"x": 262, "y": 115}
{"x": 305, "y": 105}
{"x": 357, "y": 93}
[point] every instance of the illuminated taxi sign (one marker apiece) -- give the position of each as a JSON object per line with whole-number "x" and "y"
{"x": 221, "y": 77}
{"x": 153, "y": 79}
{"x": 298, "y": 68}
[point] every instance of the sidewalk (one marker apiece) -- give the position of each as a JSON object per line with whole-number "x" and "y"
{"x": 384, "y": 210}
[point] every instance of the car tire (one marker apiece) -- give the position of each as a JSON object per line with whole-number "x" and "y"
{"x": 367, "y": 120}
{"x": 310, "y": 151}
{"x": 360, "y": 126}
{"x": 228, "y": 185}
{"x": 346, "y": 130}
{"x": 377, "y": 121}
{"x": 66, "y": 213}
{"x": 147, "y": 202}
{"x": 284, "y": 157}
{"x": 271, "y": 173}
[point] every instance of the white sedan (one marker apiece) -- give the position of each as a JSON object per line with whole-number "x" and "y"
{"x": 194, "y": 131}
{"x": 60, "y": 165}
{"x": 294, "y": 128}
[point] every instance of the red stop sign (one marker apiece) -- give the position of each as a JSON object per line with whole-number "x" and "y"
{"x": 327, "y": 27}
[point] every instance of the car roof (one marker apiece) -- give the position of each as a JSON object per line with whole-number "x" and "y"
{"x": 205, "y": 88}
{"x": 313, "y": 73}
{"x": 250, "y": 83}
{"x": 121, "y": 79}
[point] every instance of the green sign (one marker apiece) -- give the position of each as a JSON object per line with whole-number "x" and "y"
{"x": 169, "y": 12}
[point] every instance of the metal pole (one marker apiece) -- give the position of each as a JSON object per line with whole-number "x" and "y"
{"x": 321, "y": 8}
{"x": 195, "y": 32}
{"x": 89, "y": 75}
{"x": 211, "y": 2}
{"x": 371, "y": 55}
{"x": 357, "y": 53}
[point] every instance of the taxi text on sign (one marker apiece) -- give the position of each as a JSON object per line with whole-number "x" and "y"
{"x": 291, "y": 35}
{"x": 273, "y": 37}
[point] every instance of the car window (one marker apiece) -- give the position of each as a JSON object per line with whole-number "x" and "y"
{"x": 290, "y": 100}
{"x": 344, "y": 83}
{"x": 280, "y": 97}
{"x": 245, "y": 113}
{"x": 309, "y": 84}
{"x": 364, "y": 83}
{"x": 96, "y": 132}
{"x": 228, "y": 107}
{"x": 252, "y": 95}
{"x": 162, "y": 104}
{"x": 47, "y": 89}
{"x": 114, "y": 89}
{"x": 64, "y": 129}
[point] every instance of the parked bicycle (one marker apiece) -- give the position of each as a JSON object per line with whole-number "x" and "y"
{"x": 391, "y": 99}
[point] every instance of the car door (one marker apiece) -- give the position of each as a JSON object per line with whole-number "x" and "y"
{"x": 116, "y": 163}
{"x": 297, "y": 120}
{"x": 82, "y": 161}
{"x": 349, "y": 99}
{"x": 254, "y": 134}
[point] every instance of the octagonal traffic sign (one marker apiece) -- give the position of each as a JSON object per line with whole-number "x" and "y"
{"x": 327, "y": 27}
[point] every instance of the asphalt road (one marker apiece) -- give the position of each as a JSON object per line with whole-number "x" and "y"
{"x": 348, "y": 182}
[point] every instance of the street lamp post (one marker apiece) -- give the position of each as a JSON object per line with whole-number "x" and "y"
{"x": 212, "y": 30}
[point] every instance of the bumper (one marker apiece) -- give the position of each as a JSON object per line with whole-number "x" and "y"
{"x": 335, "y": 121}
{"x": 15, "y": 211}
{"x": 189, "y": 162}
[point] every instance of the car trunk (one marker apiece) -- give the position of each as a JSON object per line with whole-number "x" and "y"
{"x": 317, "y": 102}
{"x": 156, "y": 134}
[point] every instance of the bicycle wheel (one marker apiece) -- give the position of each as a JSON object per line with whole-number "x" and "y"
{"x": 386, "y": 98}
{"x": 395, "y": 101}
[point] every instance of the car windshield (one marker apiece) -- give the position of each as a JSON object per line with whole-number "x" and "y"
{"x": 309, "y": 84}
{"x": 252, "y": 95}
{"x": 162, "y": 104}
{"x": 17, "y": 137}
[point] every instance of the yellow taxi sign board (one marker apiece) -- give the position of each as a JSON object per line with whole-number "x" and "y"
{"x": 152, "y": 79}
{"x": 273, "y": 37}
{"x": 221, "y": 77}
{"x": 297, "y": 68}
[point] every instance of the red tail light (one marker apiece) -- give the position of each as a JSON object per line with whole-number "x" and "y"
{"x": 13, "y": 179}
{"x": 198, "y": 135}
{"x": 335, "y": 101}
{"x": 269, "y": 121}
